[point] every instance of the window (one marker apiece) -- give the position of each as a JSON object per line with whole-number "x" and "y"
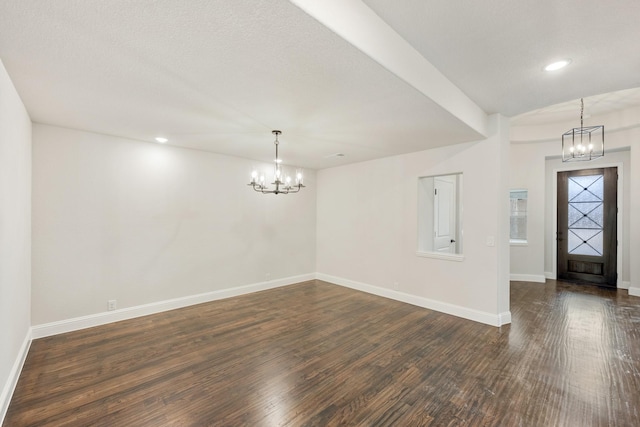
{"x": 440, "y": 217}
{"x": 518, "y": 216}
{"x": 586, "y": 214}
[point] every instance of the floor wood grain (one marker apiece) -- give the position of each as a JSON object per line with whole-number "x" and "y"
{"x": 316, "y": 354}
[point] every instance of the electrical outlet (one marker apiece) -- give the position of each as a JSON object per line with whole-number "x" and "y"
{"x": 112, "y": 304}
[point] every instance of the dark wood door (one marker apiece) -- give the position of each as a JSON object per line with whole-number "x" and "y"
{"x": 587, "y": 225}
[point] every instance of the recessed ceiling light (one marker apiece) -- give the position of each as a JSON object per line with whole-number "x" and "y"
{"x": 557, "y": 65}
{"x": 161, "y": 139}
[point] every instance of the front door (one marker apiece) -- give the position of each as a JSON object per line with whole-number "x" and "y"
{"x": 587, "y": 225}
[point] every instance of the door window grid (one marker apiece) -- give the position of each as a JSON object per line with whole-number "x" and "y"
{"x": 586, "y": 197}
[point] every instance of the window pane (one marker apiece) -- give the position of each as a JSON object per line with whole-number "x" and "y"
{"x": 518, "y": 220}
{"x": 518, "y": 228}
{"x": 586, "y": 188}
{"x": 585, "y": 242}
{"x": 578, "y": 218}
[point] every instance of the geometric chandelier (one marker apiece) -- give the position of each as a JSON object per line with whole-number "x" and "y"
{"x": 583, "y": 143}
{"x": 280, "y": 180}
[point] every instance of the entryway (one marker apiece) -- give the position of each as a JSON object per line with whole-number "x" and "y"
{"x": 587, "y": 226}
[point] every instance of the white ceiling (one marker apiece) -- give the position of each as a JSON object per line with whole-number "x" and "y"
{"x": 494, "y": 50}
{"x": 220, "y": 75}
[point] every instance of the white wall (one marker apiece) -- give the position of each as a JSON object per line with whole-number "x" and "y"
{"x": 535, "y": 157}
{"x": 15, "y": 235}
{"x": 367, "y": 228}
{"x": 528, "y": 172}
{"x": 141, "y": 222}
{"x": 634, "y": 208}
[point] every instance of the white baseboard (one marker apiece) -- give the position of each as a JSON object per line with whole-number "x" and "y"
{"x": 624, "y": 285}
{"x": 633, "y": 291}
{"x": 443, "y": 307}
{"x": 75, "y": 324}
{"x": 504, "y": 318}
{"x": 14, "y": 375}
{"x": 549, "y": 275}
{"x": 537, "y": 278}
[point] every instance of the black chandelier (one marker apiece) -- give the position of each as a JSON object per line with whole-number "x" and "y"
{"x": 583, "y": 143}
{"x": 283, "y": 183}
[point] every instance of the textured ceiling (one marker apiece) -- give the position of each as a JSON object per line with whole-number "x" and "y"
{"x": 219, "y": 75}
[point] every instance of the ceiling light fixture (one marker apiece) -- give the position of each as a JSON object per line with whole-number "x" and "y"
{"x": 583, "y": 143}
{"x": 281, "y": 181}
{"x": 161, "y": 139}
{"x": 557, "y": 65}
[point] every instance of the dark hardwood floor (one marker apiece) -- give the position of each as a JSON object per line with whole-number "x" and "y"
{"x": 317, "y": 354}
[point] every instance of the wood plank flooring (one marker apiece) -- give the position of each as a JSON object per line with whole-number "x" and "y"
{"x": 316, "y": 354}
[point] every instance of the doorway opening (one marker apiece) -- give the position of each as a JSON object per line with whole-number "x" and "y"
{"x": 440, "y": 215}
